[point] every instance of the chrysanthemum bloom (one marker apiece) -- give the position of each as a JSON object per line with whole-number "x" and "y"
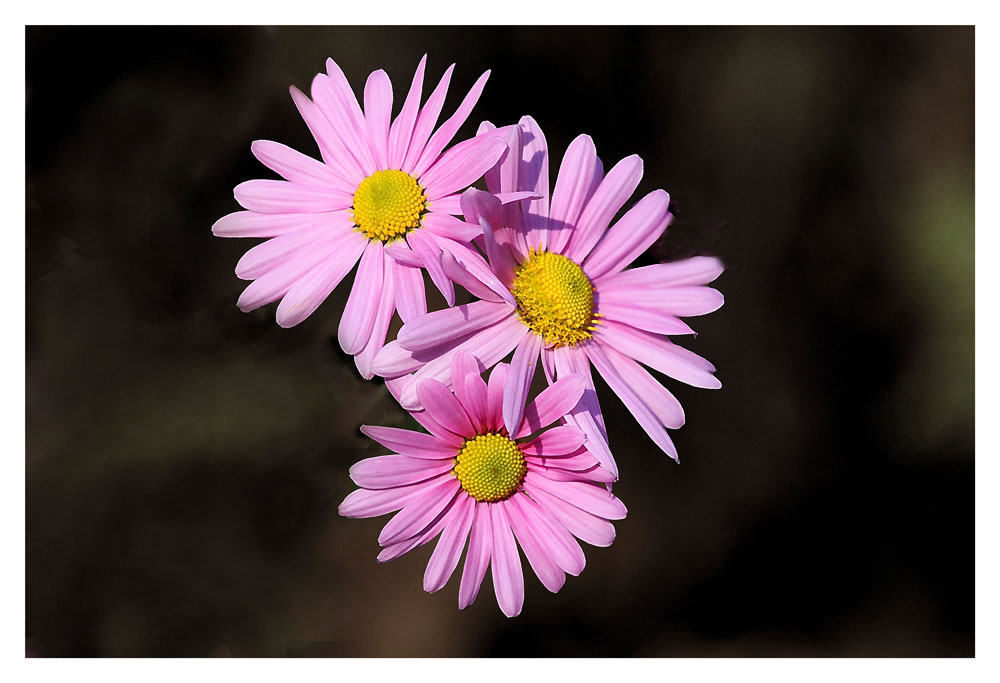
{"x": 576, "y": 304}
{"x": 472, "y": 478}
{"x": 379, "y": 185}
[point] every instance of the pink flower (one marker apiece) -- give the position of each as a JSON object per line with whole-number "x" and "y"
{"x": 576, "y": 304}
{"x": 380, "y": 185}
{"x": 471, "y": 478}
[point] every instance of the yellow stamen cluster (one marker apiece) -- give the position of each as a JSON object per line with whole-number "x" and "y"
{"x": 490, "y": 467}
{"x": 555, "y": 298}
{"x": 388, "y": 204}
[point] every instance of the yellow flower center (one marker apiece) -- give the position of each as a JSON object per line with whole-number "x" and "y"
{"x": 388, "y": 204}
{"x": 555, "y": 298}
{"x": 490, "y": 467}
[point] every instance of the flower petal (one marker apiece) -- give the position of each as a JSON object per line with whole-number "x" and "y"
{"x": 587, "y": 413}
{"x": 299, "y": 168}
{"x": 560, "y": 544}
{"x": 591, "y": 498}
{"x": 477, "y": 267}
{"x": 636, "y": 404}
{"x": 406, "y": 442}
{"x": 443, "y": 135}
{"x": 522, "y": 369}
{"x": 551, "y": 404}
{"x": 364, "y": 503}
{"x": 253, "y": 224}
{"x": 547, "y": 571}
{"x": 665, "y": 301}
{"x": 281, "y": 196}
{"x": 392, "y": 471}
{"x": 358, "y": 317}
{"x": 556, "y": 441}
{"x": 440, "y": 327}
{"x": 266, "y": 256}
{"x": 426, "y": 119}
{"x": 663, "y": 404}
{"x": 642, "y": 318}
{"x": 573, "y": 187}
{"x": 386, "y": 305}
{"x": 477, "y": 558}
{"x": 276, "y": 283}
{"x": 378, "y": 112}
{"x": 460, "y": 276}
{"x": 443, "y": 225}
{"x": 585, "y": 526}
{"x": 444, "y": 407}
{"x": 448, "y": 550}
{"x": 624, "y": 241}
{"x": 420, "y": 512}
{"x": 334, "y": 97}
{"x": 494, "y": 395}
{"x": 311, "y": 290}
{"x": 610, "y": 196}
{"x": 411, "y": 301}
{"x": 402, "y": 127}
{"x": 534, "y": 176}
{"x": 658, "y": 353}
{"x": 461, "y": 166}
{"x": 697, "y": 270}
{"x": 331, "y": 147}
{"x": 430, "y": 254}
{"x": 508, "y": 581}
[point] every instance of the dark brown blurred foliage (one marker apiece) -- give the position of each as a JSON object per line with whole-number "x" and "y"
{"x": 185, "y": 460}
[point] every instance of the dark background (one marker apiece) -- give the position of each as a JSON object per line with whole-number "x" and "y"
{"x": 185, "y": 460}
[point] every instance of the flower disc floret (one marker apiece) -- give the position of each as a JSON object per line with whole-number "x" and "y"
{"x": 388, "y": 204}
{"x": 490, "y": 467}
{"x": 555, "y": 298}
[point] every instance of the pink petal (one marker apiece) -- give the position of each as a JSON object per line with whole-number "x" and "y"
{"x": 642, "y": 318}
{"x": 478, "y": 268}
{"x": 508, "y": 581}
{"x": 331, "y": 148}
{"x": 401, "y": 253}
{"x": 461, "y": 166}
{"x": 611, "y": 195}
{"x": 559, "y": 543}
{"x": 448, "y": 550}
{"x": 448, "y": 324}
{"x": 698, "y": 270}
{"x": 407, "y": 442}
{"x": 420, "y": 512}
{"x": 378, "y": 112}
{"x": 392, "y": 471}
{"x": 477, "y": 558}
{"x": 666, "y": 301}
{"x": 575, "y": 461}
{"x": 253, "y": 224}
{"x": 522, "y": 369}
{"x": 427, "y": 421}
{"x": 494, "y": 395}
{"x": 276, "y": 283}
{"x": 547, "y": 571}
{"x": 425, "y": 121}
{"x": 464, "y": 373}
{"x": 443, "y": 225}
{"x": 587, "y": 413}
{"x": 363, "y": 303}
{"x": 443, "y": 135}
{"x": 663, "y": 404}
{"x": 334, "y": 97}
{"x": 551, "y": 404}
{"x": 386, "y": 305}
{"x": 450, "y": 204}
{"x": 430, "y": 254}
{"x": 556, "y": 441}
{"x": 281, "y": 196}
{"x": 588, "y": 497}
{"x": 488, "y": 345}
{"x": 594, "y": 473}
{"x": 411, "y": 301}
{"x": 460, "y": 276}
{"x": 442, "y": 405}
{"x": 585, "y": 526}
{"x": 266, "y": 256}
{"x": 534, "y": 176}
{"x": 311, "y": 290}
{"x": 659, "y": 353}
{"x": 402, "y": 127}
{"x": 299, "y": 168}
{"x": 480, "y": 207}
{"x": 629, "y": 237}
{"x": 636, "y": 403}
{"x": 573, "y": 187}
{"x": 364, "y": 503}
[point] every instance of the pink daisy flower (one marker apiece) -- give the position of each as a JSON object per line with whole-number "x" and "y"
{"x": 576, "y": 303}
{"x": 471, "y": 478}
{"x": 381, "y": 183}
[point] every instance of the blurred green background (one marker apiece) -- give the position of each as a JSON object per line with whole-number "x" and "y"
{"x": 185, "y": 460}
